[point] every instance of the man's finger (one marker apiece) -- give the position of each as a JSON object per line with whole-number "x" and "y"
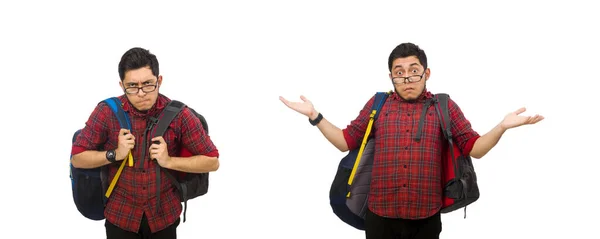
{"x": 536, "y": 118}
{"x": 160, "y": 139}
{"x": 520, "y": 110}
{"x": 285, "y": 102}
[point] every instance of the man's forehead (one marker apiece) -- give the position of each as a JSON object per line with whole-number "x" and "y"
{"x": 139, "y": 79}
{"x": 407, "y": 62}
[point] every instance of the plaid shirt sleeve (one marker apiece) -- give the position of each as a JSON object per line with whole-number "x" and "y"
{"x": 93, "y": 135}
{"x": 354, "y": 132}
{"x": 194, "y": 138}
{"x": 464, "y": 135}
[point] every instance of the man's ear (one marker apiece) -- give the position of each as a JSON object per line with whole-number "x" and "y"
{"x": 427, "y": 74}
{"x": 121, "y": 84}
{"x": 159, "y": 81}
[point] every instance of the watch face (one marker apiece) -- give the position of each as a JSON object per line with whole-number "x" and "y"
{"x": 110, "y": 154}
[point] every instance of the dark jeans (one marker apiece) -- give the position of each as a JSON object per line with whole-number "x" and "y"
{"x": 391, "y": 228}
{"x": 114, "y": 232}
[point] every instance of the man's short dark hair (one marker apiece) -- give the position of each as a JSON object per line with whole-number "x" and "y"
{"x": 405, "y": 50}
{"x": 136, "y": 58}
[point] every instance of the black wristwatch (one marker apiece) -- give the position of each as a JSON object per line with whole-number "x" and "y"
{"x": 111, "y": 156}
{"x": 317, "y": 120}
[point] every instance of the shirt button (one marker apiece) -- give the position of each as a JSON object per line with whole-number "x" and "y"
{"x": 404, "y": 185}
{"x": 406, "y": 147}
{"x": 408, "y": 114}
{"x": 404, "y": 166}
{"x": 406, "y": 130}
{"x": 144, "y": 188}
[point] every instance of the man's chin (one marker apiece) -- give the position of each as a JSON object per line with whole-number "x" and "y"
{"x": 141, "y": 108}
{"x": 409, "y": 96}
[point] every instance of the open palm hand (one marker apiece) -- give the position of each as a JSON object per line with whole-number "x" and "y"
{"x": 514, "y": 119}
{"x": 305, "y": 107}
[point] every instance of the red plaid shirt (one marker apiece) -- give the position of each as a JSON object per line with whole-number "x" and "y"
{"x": 136, "y": 189}
{"x": 406, "y": 178}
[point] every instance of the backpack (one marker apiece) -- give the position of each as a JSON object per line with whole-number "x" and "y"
{"x": 188, "y": 185}
{"x": 350, "y": 188}
{"x": 458, "y": 175}
{"x": 90, "y": 187}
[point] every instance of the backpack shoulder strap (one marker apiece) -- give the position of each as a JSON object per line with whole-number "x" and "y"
{"x": 167, "y": 115}
{"x": 165, "y": 118}
{"x": 443, "y": 114}
{"x": 117, "y": 108}
{"x": 380, "y": 98}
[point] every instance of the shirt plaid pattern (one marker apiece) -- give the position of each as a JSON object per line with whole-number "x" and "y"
{"x": 135, "y": 193}
{"x": 406, "y": 179}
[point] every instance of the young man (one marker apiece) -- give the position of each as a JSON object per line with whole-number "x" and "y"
{"x": 403, "y": 200}
{"x": 133, "y": 209}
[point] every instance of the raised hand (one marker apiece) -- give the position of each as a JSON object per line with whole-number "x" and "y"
{"x": 305, "y": 107}
{"x": 514, "y": 119}
{"x": 126, "y": 143}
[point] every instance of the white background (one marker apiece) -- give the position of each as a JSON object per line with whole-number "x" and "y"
{"x": 232, "y": 59}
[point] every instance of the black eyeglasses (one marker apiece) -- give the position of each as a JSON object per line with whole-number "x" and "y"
{"x": 410, "y": 79}
{"x": 145, "y": 89}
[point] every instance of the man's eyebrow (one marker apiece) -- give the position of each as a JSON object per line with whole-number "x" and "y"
{"x": 400, "y": 66}
{"x": 146, "y": 81}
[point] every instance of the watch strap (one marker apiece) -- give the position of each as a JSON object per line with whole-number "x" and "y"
{"x": 317, "y": 120}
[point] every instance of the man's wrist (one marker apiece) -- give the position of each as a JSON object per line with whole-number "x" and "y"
{"x": 315, "y": 121}
{"x": 119, "y": 157}
{"x": 169, "y": 163}
{"x": 111, "y": 155}
{"x": 313, "y": 115}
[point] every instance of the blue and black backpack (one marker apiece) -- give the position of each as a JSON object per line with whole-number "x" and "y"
{"x": 350, "y": 187}
{"x": 89, "y": 186}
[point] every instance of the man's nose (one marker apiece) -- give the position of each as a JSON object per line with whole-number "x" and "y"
{"x": 141, "y": 92}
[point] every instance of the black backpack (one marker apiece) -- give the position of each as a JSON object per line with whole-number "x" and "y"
{"x": 189, "y": 185}
{"x": 460, "y": 180}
